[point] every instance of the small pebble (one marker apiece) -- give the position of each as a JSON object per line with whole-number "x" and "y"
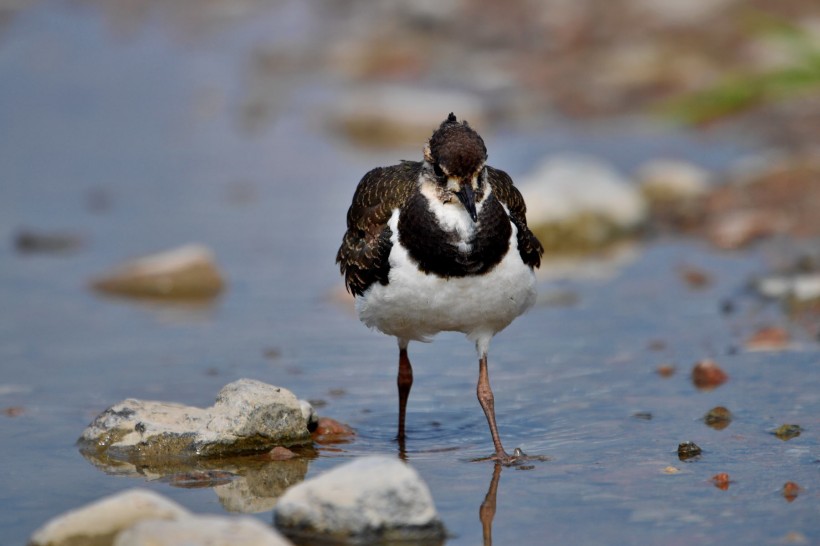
{"x": 665, "y": 370}
{"x": 671, "y": 470}
{"x": 770, "y": 338}
{"x": 707, "y": 375}
{"x": 657, "y": 345}
{"x": 330, "y": 431}
{"x": 29, "y": 242}
{"x": 694, "y": 277}
{"x": 790, "y": 491}
{"x": 721, "y": 481}
{"x": 688, "y": 450}
{"x": 795, "y": 537}
{"x": 272, "y": 353}
{"x": 787, "y": 432}
{"x": 13, "y": 411}
{"x": 280, "y": 453}
{"x": 718, "y": 418}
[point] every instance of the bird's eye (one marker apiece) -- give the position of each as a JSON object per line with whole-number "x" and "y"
{"x": 437, "y": 169}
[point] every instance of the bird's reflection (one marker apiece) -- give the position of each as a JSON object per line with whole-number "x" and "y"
{"x": 486, "y": 512}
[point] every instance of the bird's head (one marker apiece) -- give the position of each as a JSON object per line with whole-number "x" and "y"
{"x": 454, "y": 160}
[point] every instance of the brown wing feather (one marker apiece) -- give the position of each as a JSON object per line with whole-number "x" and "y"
{"x": 528, "y": 245}
{"x": 363, "y": 256}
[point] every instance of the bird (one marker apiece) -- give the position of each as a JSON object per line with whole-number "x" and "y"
{"x": 441, "y": 244}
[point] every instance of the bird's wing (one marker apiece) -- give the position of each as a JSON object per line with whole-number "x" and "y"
{"x": 363, "y": 256}
{"x": 528, "y": 245}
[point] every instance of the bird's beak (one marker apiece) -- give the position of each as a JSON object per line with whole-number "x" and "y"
{"x": 467, "y": 198}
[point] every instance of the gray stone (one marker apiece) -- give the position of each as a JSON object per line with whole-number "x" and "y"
{"x": 201, "y": 530}
{"x": 188, "y": 272}
{"x": 248, "y": 417}
{"x": 372, "y": 498}
{"x": 100, "y": 521}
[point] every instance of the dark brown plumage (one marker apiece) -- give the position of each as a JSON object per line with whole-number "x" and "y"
{"x": 366, "y": 245}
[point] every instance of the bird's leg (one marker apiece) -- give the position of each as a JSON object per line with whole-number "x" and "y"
{"x": 404, "y": 380}
{"x": 487, "y": 401}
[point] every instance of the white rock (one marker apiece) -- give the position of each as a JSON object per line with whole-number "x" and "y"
{"x": 373, "y": 497}
{"x": 201, "y": 530}
{"x": 564, "y": 187}
{"x": 673, "y": 179}
{"x": 107, "y": 517}
{"x": 248, "y": 416}
{"x": 804, "y": 287}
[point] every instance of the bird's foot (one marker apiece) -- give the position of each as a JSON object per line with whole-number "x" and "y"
{"x": 517, "y": 458}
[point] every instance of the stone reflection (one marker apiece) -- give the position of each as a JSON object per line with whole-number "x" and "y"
{"x": 243, "y": 484}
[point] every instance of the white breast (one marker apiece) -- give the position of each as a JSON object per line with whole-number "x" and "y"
{"x": 416, "y": 306}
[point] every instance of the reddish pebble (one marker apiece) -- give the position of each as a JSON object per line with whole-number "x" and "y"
{"x": 718, "y": 418}
{"x": 694, "y": 277}
{"x": 13, "y": 411}
{"x": 657, "y": 345}
{"x": 790, "y": 491}
{"x": 665, "y": 370}
{"x": 330, "y": 431}
{"x": 721, "y": 481}
{"x": 770, "y": 338}
{"x": 280, "y": 453}
{"x": 707, "y": 375}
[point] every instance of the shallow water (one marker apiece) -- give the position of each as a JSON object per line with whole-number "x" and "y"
{"x": 106, "y": 136}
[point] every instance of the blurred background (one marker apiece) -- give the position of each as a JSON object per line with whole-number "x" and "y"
{"x": 669, "y": 153}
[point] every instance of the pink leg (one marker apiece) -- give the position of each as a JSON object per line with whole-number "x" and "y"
{"x": 487, "y": 401}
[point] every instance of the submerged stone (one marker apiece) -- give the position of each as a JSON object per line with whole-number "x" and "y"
{"x": 706, "y": 375}
{"x": 373, "y": 499}
{"x": 718, "y": 418}
{"x": 688, "y": 450}
{"x": 27, "y": 241}
{"x": 790, "y": 491}
{"x": 770, "y": 338}
{"x": 330, "y": 431}
{"x": 721, "y": 481}
{"x": 187, "y": 272}
{"x": 248, "y": 417}
{"x": 787, "y": 432}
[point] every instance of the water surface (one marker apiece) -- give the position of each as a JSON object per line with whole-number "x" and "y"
{"x": 132, "y": 136}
